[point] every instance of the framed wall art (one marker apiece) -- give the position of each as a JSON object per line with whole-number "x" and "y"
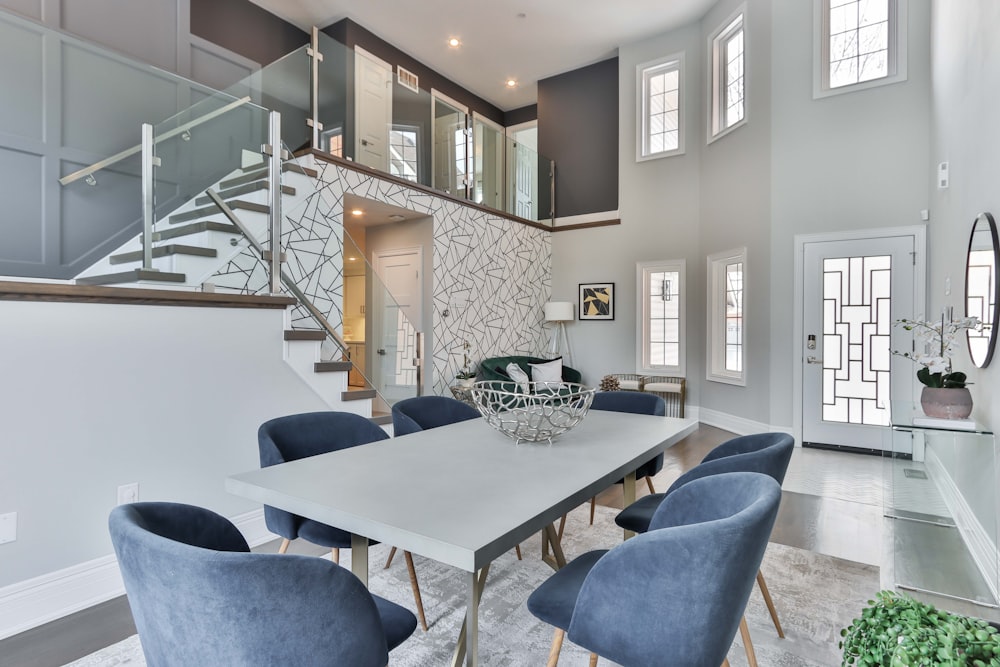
{"x": 597, "y": 301}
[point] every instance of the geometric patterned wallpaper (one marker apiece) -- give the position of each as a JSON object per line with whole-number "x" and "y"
{"x": 491, "y": 275}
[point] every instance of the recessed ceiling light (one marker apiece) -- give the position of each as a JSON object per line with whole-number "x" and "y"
{"x": 352, "y": 259}
{"x": 397, "y": 217}
{"x": 357, "y": 211}
{"x": 511, "y": 83}
{"x": 454, "y": 42}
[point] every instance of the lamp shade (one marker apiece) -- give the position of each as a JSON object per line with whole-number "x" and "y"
{"x": 558, "y": 311}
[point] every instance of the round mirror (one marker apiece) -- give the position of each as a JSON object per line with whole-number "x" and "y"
{"x": 981, "y": 286}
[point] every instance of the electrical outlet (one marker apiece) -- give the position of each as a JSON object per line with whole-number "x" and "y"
{"x": 8, "y": 527}
{"x": 128, "y": 493}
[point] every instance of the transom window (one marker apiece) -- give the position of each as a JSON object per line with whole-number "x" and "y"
{"x": 861, "y": 43}
{"x": 727, "y": 348}
{"x": 661, "y": 116}
{"x": 661, "y": 304}
{"x": 728, "y": 77}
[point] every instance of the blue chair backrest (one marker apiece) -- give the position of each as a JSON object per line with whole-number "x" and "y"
{"x": 200, "y": 598}
{"x": 767, "y": 453}
{"x": 308, "y": 434}
{"x": 629, "y": 401}
{"x": 675, "y": 595}
{"x": 426, "y": 412}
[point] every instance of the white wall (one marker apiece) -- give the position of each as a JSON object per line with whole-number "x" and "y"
{"x": 966, "y": 67}
{"x": 93, "y": 396}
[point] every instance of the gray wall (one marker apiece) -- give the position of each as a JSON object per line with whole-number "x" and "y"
{"x": 966, "y": 65}
{"x": 576, "y": 110}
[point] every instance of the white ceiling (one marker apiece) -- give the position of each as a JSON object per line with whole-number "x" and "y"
{"x": 552, "y": 36}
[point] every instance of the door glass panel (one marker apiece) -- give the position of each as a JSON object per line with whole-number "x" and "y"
{"x": 856, "y": 325}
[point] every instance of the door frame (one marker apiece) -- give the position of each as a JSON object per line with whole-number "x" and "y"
{"x": 919, "y": 234}
{"x": 378, "y": 310}
{"x": 438, "y": 96}
{"x": 358, "y": 51}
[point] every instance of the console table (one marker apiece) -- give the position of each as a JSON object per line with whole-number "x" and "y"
{"x": 940, "y": 497}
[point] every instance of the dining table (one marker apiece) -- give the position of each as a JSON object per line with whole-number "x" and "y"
{"x": 462, "y": 494}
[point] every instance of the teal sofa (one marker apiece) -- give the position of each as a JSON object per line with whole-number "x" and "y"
{"x": 488, "y": 368}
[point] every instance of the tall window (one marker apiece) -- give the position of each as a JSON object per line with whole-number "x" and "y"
{"x": 727, "y": 349}
{"x": 728, "y": 76}
{"x": 661, "y": 304}
{"x": 861, "y": 43}
{"x": 661, "y": 114}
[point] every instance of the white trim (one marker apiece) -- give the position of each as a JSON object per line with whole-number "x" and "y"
{"x": 480, "y": 118}
{"x": 33, "y": 602}
{"x": 919, "y": 234}
{"x": 640, "y": 99}
{"x": 734, "y": 424}
{"x": 526, "y": 125}
{"x": 438, "y": 95}
{"x": 714, "y": 102}
{"x": 374, "y": 58}
{"x": 898, "y": 29}
{"x": 974, "y": 534}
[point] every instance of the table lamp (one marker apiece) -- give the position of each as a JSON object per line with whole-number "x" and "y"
{"x": 559, "y": 312}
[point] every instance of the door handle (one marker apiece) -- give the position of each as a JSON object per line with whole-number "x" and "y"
{"x": 382, "y": 352}
{"x": 813, "y": 360}
{"x": 364, "y": 142}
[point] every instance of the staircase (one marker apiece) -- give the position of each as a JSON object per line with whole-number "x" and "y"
{"x": 194, "y": 242}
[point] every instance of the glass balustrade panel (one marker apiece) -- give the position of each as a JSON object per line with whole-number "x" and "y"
{"x": 284, "y": 86}
{"x": 450, "y": 149}
{"x": 489, "y": 157}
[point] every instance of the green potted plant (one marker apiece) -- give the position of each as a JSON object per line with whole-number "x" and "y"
{"x": 944, "y": 394}
{"x": 896, "y": 630}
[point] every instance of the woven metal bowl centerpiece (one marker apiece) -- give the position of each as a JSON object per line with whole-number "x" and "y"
{"x": 532, "y": 411}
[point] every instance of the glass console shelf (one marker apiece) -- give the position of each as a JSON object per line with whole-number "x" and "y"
{"x": 941, "y": 506}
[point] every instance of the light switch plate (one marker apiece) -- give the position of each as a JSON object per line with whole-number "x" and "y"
{"x": 8, "y": 527}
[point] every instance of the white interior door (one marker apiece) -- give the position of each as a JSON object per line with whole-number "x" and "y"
{"x": 373, "y": 107}
{"x": 853, "y": 290}
{"x": 398, "y": 315}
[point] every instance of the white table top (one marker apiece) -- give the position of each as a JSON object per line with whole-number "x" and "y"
{"x": 461, "y": 494}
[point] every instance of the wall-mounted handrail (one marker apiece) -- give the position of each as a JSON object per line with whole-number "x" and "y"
{"x": 180, "y": 129}
{"x": 286, "y": 280}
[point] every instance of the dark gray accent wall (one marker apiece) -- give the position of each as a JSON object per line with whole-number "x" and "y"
{"x": 245, "y": 28}
{"x": 578, "y": 128}
{"x": 351, "y": 34}
{"x": 522, "y": 115}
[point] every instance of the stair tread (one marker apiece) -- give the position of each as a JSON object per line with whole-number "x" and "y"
{"x": 261, "y": 172}
{"x": 381, "y": 418}
{"x": 240, "y": 190}
{"x": 332, "y": 366}
{"x": 203, "y": 211}
{"x": 305, "y": 334}
{"x": 131, "y": 276}
{"x": 357, "y": 394}
{"x": 163, "y": 251}
{"x": 196, "y": 228}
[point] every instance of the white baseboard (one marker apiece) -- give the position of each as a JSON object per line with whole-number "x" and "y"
{"x": 737, "y": 425}
{"x": 33, "y": 602}
{"x": 975, "y": 536}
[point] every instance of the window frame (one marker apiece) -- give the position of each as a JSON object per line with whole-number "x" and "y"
{"x": 716, "y": 341}
{"x": 896, "y": 54}
{"x": 717, "y": 129}
{"x": 642, "y": 72}
{"x": 642, "y": 271}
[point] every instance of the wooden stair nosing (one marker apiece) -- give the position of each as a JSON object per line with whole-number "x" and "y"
{"x": 261, "y": 172}
{"x": 132, "y": 276}
{"x": 197, "y": 228}
{"x": 240, "y": 190}
{"x": 164, "y": 251}
{"x": 380, "y": 418}
{"x": 332, "y": 366}
{"x": 305, "y": 334}
{"x": 357, "y": 394}
{"x": 201, "y": 212}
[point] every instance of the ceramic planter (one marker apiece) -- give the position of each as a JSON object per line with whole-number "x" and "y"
{"x": 952, "y": 403}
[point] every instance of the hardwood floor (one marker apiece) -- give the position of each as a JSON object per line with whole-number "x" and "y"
{"x": 828, "y": 523}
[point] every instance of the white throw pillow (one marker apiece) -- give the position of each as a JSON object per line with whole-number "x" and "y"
{"x": 549, "y": 372}
{"x": 518, "y": 375}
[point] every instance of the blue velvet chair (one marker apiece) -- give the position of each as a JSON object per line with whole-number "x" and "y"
{"x": 199, "y": 597}
{"x": 425, "y": 412}
{"x": 674, "y": 595}
{"x": 636, "y": 403}
{"x": 308, "y": 434}
{"x": 767, "y": 453}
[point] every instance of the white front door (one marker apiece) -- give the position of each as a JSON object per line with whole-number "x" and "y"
{"x": 373, "y": 107}
{"x": 399, "y": 303}
{"x": 853, "y": 290}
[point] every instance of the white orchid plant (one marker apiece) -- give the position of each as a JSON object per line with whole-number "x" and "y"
{"x": 938, "y": 342}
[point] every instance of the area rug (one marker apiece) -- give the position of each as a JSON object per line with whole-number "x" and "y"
{"x": 815, "y": 595}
